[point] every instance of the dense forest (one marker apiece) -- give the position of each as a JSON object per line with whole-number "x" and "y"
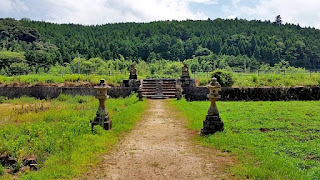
{"x": 205, "y": 44}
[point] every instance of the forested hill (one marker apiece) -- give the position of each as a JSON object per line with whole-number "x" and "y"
{"x": 172, "y": 40}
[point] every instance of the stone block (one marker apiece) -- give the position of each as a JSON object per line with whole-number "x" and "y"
{"x": 211, "y": 125}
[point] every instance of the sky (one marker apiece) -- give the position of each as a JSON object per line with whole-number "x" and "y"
{"x": 92, "y": 12}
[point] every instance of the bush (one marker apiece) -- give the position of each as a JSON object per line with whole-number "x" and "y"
{"x": 3, "y": 99}
{"x": 255, "y": 78}
{"x": 1, "y": 170}
{"x": 223, "y": 77}
{"x": 204, "y": 81}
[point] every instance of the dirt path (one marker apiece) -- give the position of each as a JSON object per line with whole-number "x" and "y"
{"x": 160, "y": 147}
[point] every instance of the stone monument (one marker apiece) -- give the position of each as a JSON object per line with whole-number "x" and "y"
{"x": 133, "y": 81}
{"x": 133, "y": 72}
{"x": 102, "y": 115}
{"x": 185, "y": 79}
{"x": 185, "y": 71}
{"x": 213, "y": 122}
{"x": 179, "y": 91}
{"x": 139, "y": 92}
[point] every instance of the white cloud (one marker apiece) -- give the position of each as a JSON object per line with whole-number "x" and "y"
{"x": 12, "y": 5}
{"x": 104, "y": 11}
{"x": 305, "y": 13}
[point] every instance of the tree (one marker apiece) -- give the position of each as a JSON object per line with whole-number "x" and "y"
{"x": 87, "y": 67}
{"x": 278, "y": 20}
{"x": 18, "y": 68}
{"x": 8, "y": 57}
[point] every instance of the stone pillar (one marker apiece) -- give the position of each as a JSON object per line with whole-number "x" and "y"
{"x": 213, "y": 122}
{"x": 139, "y": 91}
{"x": 185, "y": 79}
{"x": 102, "y": 116}
{"x": 133, "y": 72}
{"x": 185, "y": 72}
{"x": 179, "y": 91}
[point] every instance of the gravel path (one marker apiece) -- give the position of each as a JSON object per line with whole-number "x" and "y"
{"x": 160, "y": 147}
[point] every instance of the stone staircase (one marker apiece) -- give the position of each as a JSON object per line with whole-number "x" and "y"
{"x": 159, "y": 88}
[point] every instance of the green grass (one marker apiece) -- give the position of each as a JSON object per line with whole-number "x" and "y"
{"x": 272, "y": 79}
{"x": 32, "y": 79}
{"x": 272, "y": 140}
{"x": 202, "y": 79}
{"x": 59, "y": 133}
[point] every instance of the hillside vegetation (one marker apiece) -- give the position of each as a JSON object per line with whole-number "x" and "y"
{"x": 206, "y": 44}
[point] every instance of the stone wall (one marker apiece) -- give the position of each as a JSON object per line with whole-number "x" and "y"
{"x": 256, "y": 94}
{"x": 191, "y": 93}
{"x": 53, "y": 92}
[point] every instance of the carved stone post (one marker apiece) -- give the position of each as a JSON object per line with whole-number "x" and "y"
{"x": 213, "y": 122}
{"x": 139, "y": 91}
{"x": 102, "y": 116}
{"x": 133, "y": 72}
{"x": 179, "y": 91}
{"x": 185, "y": 71}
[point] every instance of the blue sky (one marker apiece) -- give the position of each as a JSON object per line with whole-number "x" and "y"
{"x": 303, "y": 12}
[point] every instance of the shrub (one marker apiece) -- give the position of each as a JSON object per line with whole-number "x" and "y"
{"x": 223, "y": 77}
{"x": 63, "y": 97}
{"x": 255, "y": 78}
{"x": 3, "y": 99}
{"x": 204, "y": 81}
{"x": 2, "y": 169}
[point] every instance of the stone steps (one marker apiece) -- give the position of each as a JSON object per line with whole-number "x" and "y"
{"x": 159, "y": 88}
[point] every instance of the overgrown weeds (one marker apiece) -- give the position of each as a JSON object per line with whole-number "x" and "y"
{"x": 60, "y": 138}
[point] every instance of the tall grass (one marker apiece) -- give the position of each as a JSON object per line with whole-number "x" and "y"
{"x": 202, "y": 79}
{"x": 270, "y": 79}
{"x": 32, "y": 79}
{"x": 272, "y": 140}
{"x": 60, "y": 137}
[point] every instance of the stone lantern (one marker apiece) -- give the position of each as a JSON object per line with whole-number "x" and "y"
{"x": 213, "y": 122}
{"x": 102, "y": 115}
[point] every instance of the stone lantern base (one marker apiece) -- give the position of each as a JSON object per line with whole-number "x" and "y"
{"x": 211, "y": 125}
{"x": 102, "y": 119}
{"x": 106, "y": 124}
{"x": 133, "y": 76}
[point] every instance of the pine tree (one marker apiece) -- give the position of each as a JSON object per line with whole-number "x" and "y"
{"x": 256, "y": 53}
{"x": 278, "y": 20}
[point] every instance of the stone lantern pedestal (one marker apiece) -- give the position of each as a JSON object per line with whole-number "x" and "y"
{"x": 102, "y": 116}
{"x": 213, "y": 122}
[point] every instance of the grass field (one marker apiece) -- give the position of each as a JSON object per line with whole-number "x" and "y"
{"x": 57, "y": 132}
{"x": 271, "y": 140}
{"x": 271, "y": 80}
{"x": 32, "y": 79}
{"x": 202, "y": 79}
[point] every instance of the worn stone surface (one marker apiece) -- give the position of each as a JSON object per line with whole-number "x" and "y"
{"x": 133, "y": 72}
{"x": 134, "y": 83}
{"x": 255, "y": 94}
{"x": 212, "y": 124}
{"x": 187, "y": 82}
{"x": 185, "y": 72}
{"x": 102, "y": 116}
{"x": 191, "y": 93}
{"x": 179, "y": 91}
